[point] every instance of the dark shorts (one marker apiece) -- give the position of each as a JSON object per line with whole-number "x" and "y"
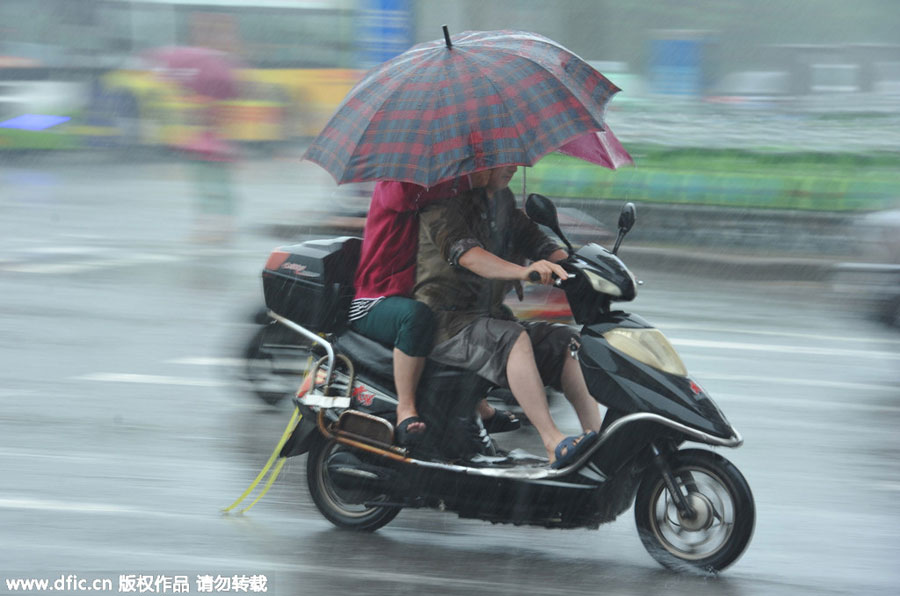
{"x": 484, "y": 345}
{"x": 403, "y": 323}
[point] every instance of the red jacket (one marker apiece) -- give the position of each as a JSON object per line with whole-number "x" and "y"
{"x": 387, "y": 262}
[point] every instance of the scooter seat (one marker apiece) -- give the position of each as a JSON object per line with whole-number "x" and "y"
{"x": 369, "y": 356}
{"x": 376, "y": 361}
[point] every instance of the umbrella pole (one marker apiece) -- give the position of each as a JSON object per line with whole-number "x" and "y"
{"x": 524, "y": 172}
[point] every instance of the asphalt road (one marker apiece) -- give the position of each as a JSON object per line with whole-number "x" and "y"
{"x": 124, "y": 429}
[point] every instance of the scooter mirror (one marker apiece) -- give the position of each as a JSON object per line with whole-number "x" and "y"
{"x": 542, "y": 211}
{"x": 626, "y": 218}
{"x": 626, "y": 221}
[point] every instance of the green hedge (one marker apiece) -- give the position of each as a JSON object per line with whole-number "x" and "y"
{"x": 728, "y": 178}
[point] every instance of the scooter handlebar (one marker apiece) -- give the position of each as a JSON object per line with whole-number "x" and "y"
{"x": 534, "y": 276}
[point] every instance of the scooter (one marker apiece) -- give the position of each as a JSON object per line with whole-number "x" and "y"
{"x": 692, "y": 507}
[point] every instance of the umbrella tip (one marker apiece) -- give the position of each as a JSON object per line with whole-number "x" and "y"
{"x": 447, "y": 37}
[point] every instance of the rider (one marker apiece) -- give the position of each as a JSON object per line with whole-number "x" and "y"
{"x": 382, "y": 308}
{"x": 470, "y": 247}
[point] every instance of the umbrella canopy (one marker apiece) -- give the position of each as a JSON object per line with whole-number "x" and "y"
{"x": 200, "y": 70}
{"x": 455, "y": 106}
{"x": 601, "y": 148}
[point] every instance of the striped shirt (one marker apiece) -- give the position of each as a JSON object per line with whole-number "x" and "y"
{"x": 361, "y": 307}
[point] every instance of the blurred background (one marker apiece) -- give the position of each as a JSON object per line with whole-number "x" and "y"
{"x": 750, "y": 106}
{"x": 150, "y": 161}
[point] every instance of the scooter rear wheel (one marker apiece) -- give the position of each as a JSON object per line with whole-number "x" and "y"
{"x": 345, "y": 507}
{"x": 725, "y": 513}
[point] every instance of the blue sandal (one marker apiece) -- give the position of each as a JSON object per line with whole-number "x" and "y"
{"x": 571, "y": 448}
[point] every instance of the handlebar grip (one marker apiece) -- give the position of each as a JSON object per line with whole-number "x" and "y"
{"x": 534, "y": 276}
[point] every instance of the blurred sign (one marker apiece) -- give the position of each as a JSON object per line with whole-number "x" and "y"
{"x": 676, "y": 63}
{"x": 384, "y": 31}
{"x": 34, "y": 122}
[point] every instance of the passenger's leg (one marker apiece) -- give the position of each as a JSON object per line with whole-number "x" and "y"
{"x": 528, "y": 389}
{"x": 407, "y": 373}
{"x": 408, "y": 325}
{"x": 415, "y": 335}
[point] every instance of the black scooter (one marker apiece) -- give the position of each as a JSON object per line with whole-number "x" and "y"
{"x": 693, "y": 508}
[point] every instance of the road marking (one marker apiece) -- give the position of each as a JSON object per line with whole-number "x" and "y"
{"x": 204, "y": 361}
{"x": 810, "y": 336}
{"x": 66, "y": 250}
{"x": 11, "y": 454}
{"x": 87, "y": 265}
{"x": 752, "y": 426}
{"x": 702, "y": 377}
{"x": 50, "y": 505}
{"x": 810, "y": 404}
{"x": 120, "y": 458}
{"x": 151, "y": 380}
{"x": 4, "y": 393}
{"x": 75, "y": 507}
{"x": 772, "y": 348}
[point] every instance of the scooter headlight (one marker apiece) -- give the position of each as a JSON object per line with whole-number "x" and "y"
{"x": 649, "y": 346}
{"x": 603, "y": 285}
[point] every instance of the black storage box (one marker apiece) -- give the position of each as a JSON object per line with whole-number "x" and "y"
{"x": 312, "y": 283}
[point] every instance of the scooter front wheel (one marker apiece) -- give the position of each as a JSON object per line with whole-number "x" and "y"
{"x": 721, "y": 528}
{"x": 343, "y": 499}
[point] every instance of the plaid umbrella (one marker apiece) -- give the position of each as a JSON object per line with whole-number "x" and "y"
{"x": 449, "y": 107}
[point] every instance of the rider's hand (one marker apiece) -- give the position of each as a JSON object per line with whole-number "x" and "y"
{"x": 546, "y": 270}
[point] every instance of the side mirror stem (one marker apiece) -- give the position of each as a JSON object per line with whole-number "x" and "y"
{"x": 565, "y": 240}
{"x": 619, "y": 239}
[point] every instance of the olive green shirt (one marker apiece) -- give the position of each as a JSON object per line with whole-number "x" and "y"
{"x": 449, "y": 228}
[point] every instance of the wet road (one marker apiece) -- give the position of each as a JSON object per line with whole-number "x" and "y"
{"x": 124, "y": 429}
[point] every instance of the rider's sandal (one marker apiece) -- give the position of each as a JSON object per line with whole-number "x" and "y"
{"x": 501, "y": 422}
{"x": 571, "y": 448}
{"x": 406, "y": 438}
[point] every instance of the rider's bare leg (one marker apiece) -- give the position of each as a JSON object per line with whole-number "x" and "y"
{"x": 407, "y": 372}
{"x": 577, "y": 393}
{"x": 528, "y": 389}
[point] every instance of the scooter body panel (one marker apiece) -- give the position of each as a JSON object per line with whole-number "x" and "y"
{"x": 623, "y": 383}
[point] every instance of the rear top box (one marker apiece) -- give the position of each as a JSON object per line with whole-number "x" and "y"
{"x": 312, "y": 283}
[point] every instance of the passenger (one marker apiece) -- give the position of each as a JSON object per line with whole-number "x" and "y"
{"x": 383, "y": 308}
{"x": 470, "y": 250}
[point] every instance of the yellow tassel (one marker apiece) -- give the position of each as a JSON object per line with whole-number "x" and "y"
{"x": 268, "y": 485}
{"x": 292, "y": 424}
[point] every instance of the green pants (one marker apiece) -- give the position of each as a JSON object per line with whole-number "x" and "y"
{"x": 403, "y": 323}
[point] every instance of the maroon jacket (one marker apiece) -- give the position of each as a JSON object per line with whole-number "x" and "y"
{"x": 387, "y": 262}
